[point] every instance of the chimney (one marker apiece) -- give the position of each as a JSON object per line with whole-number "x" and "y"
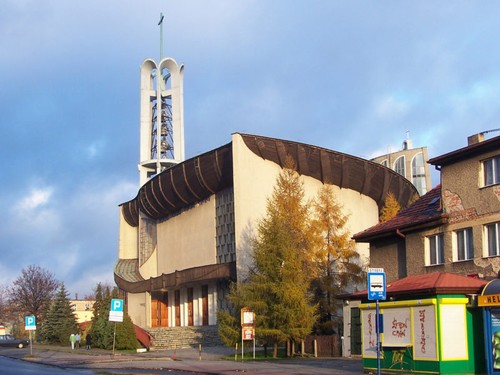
{"x": 476, "y": 138}
{"x": 76, "y": 296}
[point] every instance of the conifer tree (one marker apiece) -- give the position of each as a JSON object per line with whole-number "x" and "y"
{"x": 228, "y": 325}
{"x": 102, "y": 330}
{"x": 125, "y": 334}
{"x": 277, "y": 287}
{"x": 390, "y": 209}
{"x": 60, "y": 322}
{"x": 339, "y": 268}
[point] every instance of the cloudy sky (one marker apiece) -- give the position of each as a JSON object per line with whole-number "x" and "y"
{"x": 352, "y": 76}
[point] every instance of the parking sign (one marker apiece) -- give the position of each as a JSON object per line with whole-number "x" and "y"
{"x": 116, "y": 311}
{"x": 30, "y": 323}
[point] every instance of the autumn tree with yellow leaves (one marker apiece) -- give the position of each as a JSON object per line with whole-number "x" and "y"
{"x": 338, "y": 266}
{"x": 390, "y": 209}
{"x": 278, "y": 281}
{"x": 303, "y": 258}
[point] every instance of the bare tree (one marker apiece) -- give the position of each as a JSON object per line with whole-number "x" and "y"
{"x": 32, "y": 292}
{"x": 4, "y": 306}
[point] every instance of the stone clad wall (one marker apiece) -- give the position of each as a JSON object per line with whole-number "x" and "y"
{"x": 184, "y": 337}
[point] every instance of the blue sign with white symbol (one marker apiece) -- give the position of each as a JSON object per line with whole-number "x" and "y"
{"x": 30, "y": 323}
{"x": 116, "y": 312}
{"x": 117, "y": 305}
{"x": 376, "y": 286}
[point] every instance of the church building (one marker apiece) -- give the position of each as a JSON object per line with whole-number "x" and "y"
{"x": 187, "y": 233}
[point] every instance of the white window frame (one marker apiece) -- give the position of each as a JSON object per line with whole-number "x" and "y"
{"x": 491, "y": 237}
{"x": 418, "y": 177}
{"x": 463, "y": 238}
{"x": 401, "y": 160}
{"x": 491, "y": 171}
{"x": 434, "y": 244}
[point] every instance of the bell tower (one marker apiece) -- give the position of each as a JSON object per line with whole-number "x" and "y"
{"x": 161, "y": 115}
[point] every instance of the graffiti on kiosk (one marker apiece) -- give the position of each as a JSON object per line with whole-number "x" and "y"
{"x": 421, "y": 318}
{"x": 399, "y": 329}
{"x": 371, "y": 340}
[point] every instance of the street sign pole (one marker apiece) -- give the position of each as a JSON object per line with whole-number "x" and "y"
{"x": 377, "y": 329}
{"x": 30, "y": 325}
{"x": 114, "y": 340}
{"x": 115, "y": 315}
{"x": 377, "y": 292}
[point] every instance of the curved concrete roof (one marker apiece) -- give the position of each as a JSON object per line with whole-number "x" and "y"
{"x": 127, "y": 276}
{"x": 198, "y": 178}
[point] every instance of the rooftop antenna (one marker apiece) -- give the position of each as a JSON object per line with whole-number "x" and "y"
{"x": 160, "y": 23}
{"x": 490, "y": 131}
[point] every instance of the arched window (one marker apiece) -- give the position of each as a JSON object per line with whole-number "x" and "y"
{"x": 418, "y": 173}
{"x": 385, "y": 163}
{"x": 399, "y": 166}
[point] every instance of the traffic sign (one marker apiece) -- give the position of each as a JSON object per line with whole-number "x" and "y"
{"x": 248, "y": 333}
{"x": 30, "y": 323}
{"x": 376, "y": 286}
{"x": 117, "y": 305}
{"x": 116, "y": 311}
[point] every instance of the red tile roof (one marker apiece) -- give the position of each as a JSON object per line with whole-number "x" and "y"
{"x": 431, "y": 284}
{"x": 426, "y": 211}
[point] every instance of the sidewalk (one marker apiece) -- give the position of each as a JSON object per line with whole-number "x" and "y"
{"x": 213, "y": 361}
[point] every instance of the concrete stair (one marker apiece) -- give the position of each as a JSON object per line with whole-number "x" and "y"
{"x": 183, "y": 337}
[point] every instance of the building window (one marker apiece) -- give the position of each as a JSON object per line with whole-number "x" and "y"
{"x": 435, "y": 254}
{"x": 224, "y": 227}
{"x": 491, "y": 168}
{"x": 418, "y": 173}
{"x": 385, "y": 163}
{"x": 147, "y": 238}
{"x": 463, "y": 247}
{"x": 399, "y": 166}
{"x": 491, "y": 239}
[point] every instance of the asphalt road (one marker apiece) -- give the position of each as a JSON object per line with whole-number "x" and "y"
{"x": 9, "y": 366}
{"x": 184, "y": 361}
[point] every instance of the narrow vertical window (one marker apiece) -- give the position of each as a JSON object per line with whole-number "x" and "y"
{"x": 492, "y": 239}
{"x": 464, "y": 244}
{"x": 418, "y": 173}
{"x": 491, "y": 170}
{"x": 436, "y": 249}
{"x": 399, "y": 166}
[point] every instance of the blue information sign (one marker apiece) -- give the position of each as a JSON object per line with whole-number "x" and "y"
{"x": 376, "y": 286}
{"x": 116, "y": 312}
{"x": 30, "y": 323}
{"x": 117, "y": 305}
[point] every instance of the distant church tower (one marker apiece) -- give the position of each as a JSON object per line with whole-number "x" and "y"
{"x": 161, "y": 116}
{"x": 409, "y": 162}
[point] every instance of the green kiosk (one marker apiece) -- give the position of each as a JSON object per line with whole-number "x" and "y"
{"x": 430, "y": 324}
